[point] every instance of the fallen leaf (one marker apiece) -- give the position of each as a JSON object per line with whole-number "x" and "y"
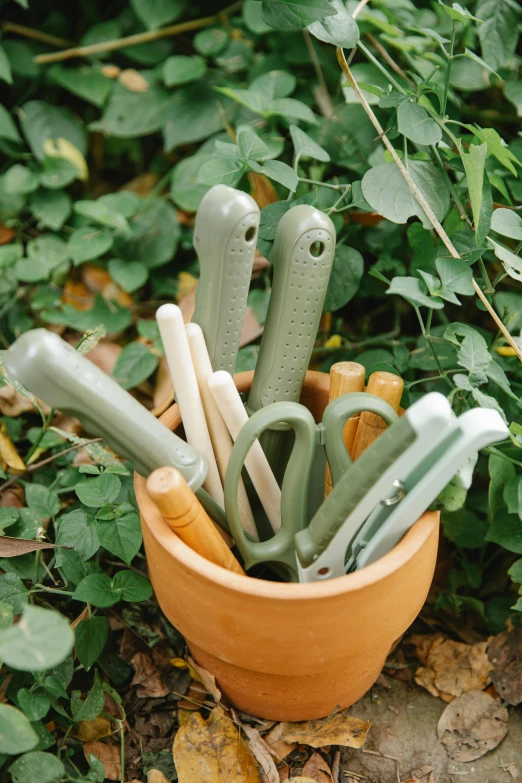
{"x": 187, "y": 305}
{"x": 300, "y": 779}
{"x": 281, "y": 748}
{"x": 512, "y": 769}
{"x": 163, "y": 389}
{"x": 13, "y": 547}
{"x": 111, "y": 71}
{"x": 12, "y": 403}
{"x": 422, "y": 775}
{"x": 186, "y": 284}
{"x": 133, "y": 80}
{"x": 212, "y": 750}
{"x": 8, "y": 452}
{"x": 453, "y": 668}
{"x": 339, "y": 729}
{"x": 99, "y": 281}
{"x": 109, "y": 755}
{"x": 156, "y": 776}
{"x": 505, "y": 654}
{"x": 262, "y": 753}
{"x": 195, "y": 697}
{"x": 6, "y": 234}
{"x": 207, "y": 679}
{"x": 76, "y": 294}
{"x": 143, "y": 184}
{"x": 84, "y": 614}
{"x": 92, "y": 730}
{"x": 472, "y": 725}
{"x": 317, "y": 769}
{"x": 183, "y": 716}
{"x": 262, "y": 190}
{"x": 12, "y": 498}
{"x": 104, "y": 356}
{"x": 147, "y": 677}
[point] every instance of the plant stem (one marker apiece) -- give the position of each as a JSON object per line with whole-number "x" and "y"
{"x": 46, "y": 461}
{"x": 448, "y": 69}
{"x": 369, "y": 56}
{"x": 42, "y": 432}
{"x": 320, "y": 184}
{"x": 138, "y": 38}
{"x": 389, "y": 59}
{"x": 329, "y": 104}
{"x": 36, "y": 35}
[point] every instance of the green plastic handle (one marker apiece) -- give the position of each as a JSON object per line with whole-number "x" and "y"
{"x": 52, "y": 370}
{"x": 302, "y": 258}
{"x": 351, "y": 489}
{"x": 225, "y": 236}
{"x": 336, "y": 415}
{"x": 294, "y": 496}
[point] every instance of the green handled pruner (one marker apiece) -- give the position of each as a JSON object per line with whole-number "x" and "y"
{"x": 225, "y": 236}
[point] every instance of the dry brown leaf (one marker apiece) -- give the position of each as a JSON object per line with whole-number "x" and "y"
{"x": 280, "y": 748}
{"x": 186, "y": 284}
{"x": 472, "y": 725}
{"x": 207, "y": 679}
{"x": 155, "y": 776}
{"x": 109, "y": 755}
{"x": 12, "y": 547}
{"x": 453, "y": 668}
{"x": 251, "y": 329}
{"x": 8, "y": 452}
{"x": 92, "y": 730}
{"x": 187, "y": 305}
{"x": 147, "y": 677}
{"x": 99, "y": 281}
{"x": 133, "y": 80}
{"x": 300, "y": 779}
{"x": 143, "y": 184}
{"x": 77, "y": 294}
{"x": 262, "y": 190}
{"x": 195, "y": 697}
{"x": 317, "y": 769}
{"x": 263, "y": 753}
{"x": 84, "y": 614}
{"x": 339, "y": 729}
{"x": 422, "y": 775}
{"x": 163, "y": 390}
{"x": 12, "y": 498}
{"x": 505, "y": 654}
{"x": 104, "y": 355}
{"x": 512, "y": 769}
{"x": 6, "y": 234}
{"x": 212, "y": 751}
{"x": 260, "y": 262}
{"x": 183, "y": 716}
{"x": 12, "y": 403}
{"x": 111, "y": 71}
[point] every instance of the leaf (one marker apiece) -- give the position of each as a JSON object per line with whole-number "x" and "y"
{"x": 5, "y": 67}
{"x": 78, "y": 531}
{"x": 457, "y": 13}
{"x": 211, "y": 41}
{"x": 129, "y": 275}
{"x": 456, "y": 275}
{"x": 89, "y": 639}
{"x": 90, "y": 707}
{"x": 338, "y": 729}
{"x": 506, "y": 530}
{"x": 101, "y": 213}
{"x": 121, "y": 536}
{"x": 212, "y": 750}
{"x": 41, "y": 639}
{"x": 8, "y": 129}
{"x": 88, "y": 243}
{"x": 496, "y": 147}
{"x": 318, "y": 770}
{"x": 249, "y": 143}
{"x": 513, "y": 92}
{"x": 388, "y": 193}
{"x": 128, "y": 114}
{"x": 498, "y": 32}
{"x": 287, "y": 15}
{"x": 221, "y": 171}
{"x": 51, "y": 209}
{"x": 43, "y": 767}
{"x": 100, "y": 491}
{"x": 472, "y": 725}
{"x": 87, "y": 82}
{"x": 414, "y": 290}
{"x": 306, "y": 147}
{"x": 19, "y": 179}
{"x": 132, "y": 587}
{"x": 504, "y": 653}
{"x": 181, "y": 70}
{"x": 155, "y": 235}
{"x": 282, "y": 173}
{"x": 507, "y": 223}
{"x": 512, "y": 263}
{"x": 16, "y": 733}
{"x": 451, "y": 668}
{"x": 13, "y": 592}
{"x": 345, "y": 278}
{"x": 34, "y": 704}
{"x": 414, "y": 122}
{"x": 14, "y": 547}
{"x": 107, "y": 757}
{"x": 339, "y": 30}
{"x": 42, "y": 500}
{"x": 156, "y": 13}
{"x": 134, "y": 365}
{"x": 292, "y": 109}
{"x": 193, "y": 113}
{"x": 96, "y": 589}
{"x": 262, "y": 753}
{"x": 473, "y": 354}
{"x": 474, "y": 163}
{"x": 8, "y": 452}
{"x": 40, "y": 121}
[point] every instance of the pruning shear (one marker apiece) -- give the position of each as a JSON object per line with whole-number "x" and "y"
{"x": 280, "y": 549}
{"x": 225, "y": 236}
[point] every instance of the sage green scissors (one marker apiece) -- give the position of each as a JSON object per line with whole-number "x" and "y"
{"x": 280, "y": 549}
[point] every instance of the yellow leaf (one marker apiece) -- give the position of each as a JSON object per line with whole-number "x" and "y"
{"x": 340, "y": 729}
{"x": 8, "y": 452}
{"x": 62, "y": 148}
{"x": 156, "y": 776}
{"x": 334, "y": 341}
{"x": 300, "y": 779}
{"x": 183, "y": 716}
{"x": 506, "y": 350}
{"x": 212, "y": 751}
{"x": 92, "y": 730}
{"x": 186, "y": 284}
{"x": 179, "y": 663}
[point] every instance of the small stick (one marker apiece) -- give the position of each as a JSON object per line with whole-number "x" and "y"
{"x": 233, "y": 411}
{"x": 389, "y": 387}
{"x": 185, "y": 515}
{"x": 345, "y": 377}
{"x": 219, "y": 434}
{"x": 175, "y": 342}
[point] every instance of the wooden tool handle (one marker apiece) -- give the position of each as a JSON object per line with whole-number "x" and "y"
{"x": 389, "y": 387}
{"x": 183, "y": 512}
{"x": 345, "y": 377}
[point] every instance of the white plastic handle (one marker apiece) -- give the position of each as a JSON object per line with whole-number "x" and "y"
{"x": 177, "y": 351}
{"x": 233, "y": 411}
{"x": 217, "y": 428}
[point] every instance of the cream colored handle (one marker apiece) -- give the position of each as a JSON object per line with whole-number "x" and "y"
{"x": 217, "y": 428}
{"x": 177, "y": 351}
{"x": 233, "y": 411}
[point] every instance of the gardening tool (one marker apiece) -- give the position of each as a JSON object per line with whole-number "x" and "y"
{"x": 51, "y": 369}
{"x": 225, "y": 240}
{"x": 473, "y": 430}
{"x": 235, "y": 416}
{"x": 345, "y": 377}
{"x": 184, "y": 514}
{"x": 221, "y": 441}
{"x": 390, "y": 388}
{"x": 175, "y": 343}
{"x": 280, "y": 549}
{"x": 302, "y": 258}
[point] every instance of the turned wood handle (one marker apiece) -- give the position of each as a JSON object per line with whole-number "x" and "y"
{"x": 345, "y": 377}
{"x": 389, "y": 387}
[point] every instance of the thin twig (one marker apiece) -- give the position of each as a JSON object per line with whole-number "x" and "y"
{"x": 359, "y": 7}
{"x": 421, "y": 198}
{"x": 36, "y": 35}
{"x": 327, "y": 98}
{"x": 138, "y": 38}
{"x": 386, "y": 56}
{"x": 46, "y": 461}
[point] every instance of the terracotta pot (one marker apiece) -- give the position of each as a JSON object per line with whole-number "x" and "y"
{"x": 288, "y": 651}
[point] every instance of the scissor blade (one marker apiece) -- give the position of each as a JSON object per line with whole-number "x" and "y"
{"x": 474, "y": 430}
{"x": 225, "y": 235}
{"x": 322, "y": 546}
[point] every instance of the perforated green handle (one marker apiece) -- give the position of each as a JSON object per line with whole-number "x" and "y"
{"x": 52, "y": 370}
{"x": 225, "y": 236}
